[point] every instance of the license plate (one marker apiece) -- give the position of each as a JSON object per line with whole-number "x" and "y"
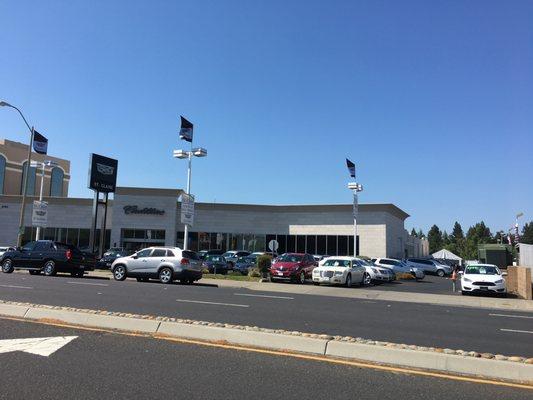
{"x": 280, "y": 273}
{"x": 483, "y": 288}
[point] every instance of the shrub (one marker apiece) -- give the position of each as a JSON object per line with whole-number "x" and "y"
{"x": 404, "y": 276}
{"x": 254, "y": 273}
{"x": 263, "y": 263}
{"x": 234, "y": 273}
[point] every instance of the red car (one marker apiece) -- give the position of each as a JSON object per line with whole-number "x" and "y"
{"x": 294, "y": 267}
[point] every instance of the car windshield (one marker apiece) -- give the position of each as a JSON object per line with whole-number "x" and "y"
{"x": 365, "y": 263}
{"x": 214, "y": 258}
{"x": 290, "y": 258}
{"x": 228, "y": 254}
{"x": 482, "y": 270}
{"x": 337, "y": 263}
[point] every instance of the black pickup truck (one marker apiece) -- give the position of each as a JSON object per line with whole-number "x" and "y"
{"x": 47, "y": 257}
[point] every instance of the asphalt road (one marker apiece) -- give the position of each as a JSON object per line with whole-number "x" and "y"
{"x": 497, "y": 332}
{"x": 99, "y": 365}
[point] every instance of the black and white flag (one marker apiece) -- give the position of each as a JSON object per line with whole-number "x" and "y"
{"x": 186, "y": 130}
{"x": 40, "y": 143}
{"x": 351, "y": 168}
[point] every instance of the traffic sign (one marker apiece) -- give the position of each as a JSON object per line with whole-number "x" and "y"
{"x": 273, "y": 245}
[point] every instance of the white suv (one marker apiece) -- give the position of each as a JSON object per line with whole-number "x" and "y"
{"x": 163, "y": 263}
{"x": 430, "y": 266}
{"x": 399, "y": 267}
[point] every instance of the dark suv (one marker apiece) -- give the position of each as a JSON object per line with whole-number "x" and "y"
{"x": 47, "y": 257}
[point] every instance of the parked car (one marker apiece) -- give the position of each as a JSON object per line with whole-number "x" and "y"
{"x": 245, "y": 264}
{"x": 482, "y": 278}
{"x": 163, "y": 263}
{"x": 4, "y": 249}
{"x": 295, "y": 267}
{"x": 232, "y": 256}
{"x": 377, "y": 274}
{"x": 203, "y": 253}
{"x": 429, "y": 266}
{"x": 215, "y": 264}
{"x": 341, "y": 271}
{"x": 109, "y": 256}
{"x": 399, "y": 267}
{"x": 47, "y": 257}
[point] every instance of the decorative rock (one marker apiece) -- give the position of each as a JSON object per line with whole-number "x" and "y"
{"x": 529, "y": 361}
{"x": 449, "y": 351}
{"x": 516, "y": 359}
{"x": 487, "y": 355}
{"x": 501, "y": 357}
{"x": 422, "y": 348}
{"x": 439, "y": 350}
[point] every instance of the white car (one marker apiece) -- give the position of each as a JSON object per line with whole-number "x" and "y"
{"x": 163, "y": 263}
{"x": 4, "y": 249}
{"x": 377, "y": 274}
{"x": 482, "y": 278}
{"x": 431, "y": 266}
{"x": 341, "y": 271}
{"x": 399, "y": 267}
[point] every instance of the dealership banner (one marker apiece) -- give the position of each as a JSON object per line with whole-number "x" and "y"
{"x": 351, "y": 168}
{"x": 187, "y": 209}
{"x": 186, "y": 130}
{"x": 40, "y": 143}
{"x": 102, "y": 173}
{"x": 40, "y": 214}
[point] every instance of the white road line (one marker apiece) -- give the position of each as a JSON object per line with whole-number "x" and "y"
{"x": 88, "y": 283}
{"x": 211, "y": 303}
{"x": 264, "y": 295}
{"x": 510, "y": 316}
{"x": 515, "y": 330}
{"x": 16, "y": 287}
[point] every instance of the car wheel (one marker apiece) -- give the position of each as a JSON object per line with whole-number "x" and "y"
{"x": 119, "y": 273}
{"x": 367, "y": 279}
{"x": 349, "y": 280}
{"x": 7, "y": 266}
{"x": 464, "y": 293}
{"x": 34, "y": 272}
{"x": 49, "y": 268}
{"x": 165, "y": 275}
{"x": 273, "y": 280}
{"x": 190, "y": 281}
{"x": 316, "y": 283}
{"x": 140, "y": 279}
{"x": 301, "y": 278}
{"x": 440, "y": 272}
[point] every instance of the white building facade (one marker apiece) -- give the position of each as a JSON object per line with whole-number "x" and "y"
{"x": 140, "y": 217}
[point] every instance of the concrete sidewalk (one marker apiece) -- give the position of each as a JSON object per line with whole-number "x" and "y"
{"x": 508, "y": 304}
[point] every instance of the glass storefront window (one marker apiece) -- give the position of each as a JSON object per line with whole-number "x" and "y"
{"x": 342, "y": 243}
{"x": 311, "y": 244}
{"x": 321, "y": 245}
{"x": 72, "y": 236}
{"x": 300, "y": 244}
{"x": 282, "y": 240}
{"x": 332, "y": 245}
{"x": 84, "y": 237}
{"x": 291, "y": 244}
{"x": 260, "y": 243}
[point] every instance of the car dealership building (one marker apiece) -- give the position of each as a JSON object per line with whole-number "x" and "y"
{"x": 140, "y": 217}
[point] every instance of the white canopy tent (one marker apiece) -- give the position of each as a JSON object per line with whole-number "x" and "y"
{"x": 447, "y": 255}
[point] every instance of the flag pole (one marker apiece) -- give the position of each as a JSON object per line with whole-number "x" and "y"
{"x": 24, "y": 190}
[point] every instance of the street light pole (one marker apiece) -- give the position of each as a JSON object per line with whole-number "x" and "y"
{"x": 355, "y": 188}
{"x": 196, "y": 152}
{"x": 26, "y": 175}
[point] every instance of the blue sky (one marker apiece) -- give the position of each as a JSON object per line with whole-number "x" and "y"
{"x": 433, "y": 100}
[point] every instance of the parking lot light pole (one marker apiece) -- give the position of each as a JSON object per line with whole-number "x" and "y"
{"x": 182, "y": 154}
{"x": 20, "y": 233}
{"x": 355, "y": 188}
{"x": 43, "y": 165}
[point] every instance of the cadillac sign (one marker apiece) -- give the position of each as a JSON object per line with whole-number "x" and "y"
{"x": 146, "y": 210}
{"x": 102, "y": 173}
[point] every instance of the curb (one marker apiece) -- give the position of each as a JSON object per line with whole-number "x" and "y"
{"x": 356, "y": 349}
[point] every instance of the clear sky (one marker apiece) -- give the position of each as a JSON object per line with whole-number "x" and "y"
{"x": 433, "y": 100}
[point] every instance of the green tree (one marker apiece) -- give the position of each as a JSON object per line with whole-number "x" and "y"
{"x": 527, "y": 233}
{"x": 457, "y": 240}
{"x": 413, "y": 232}
{"x": 435, "y": 239}
{"x": 420, "y": 234}
{"x": 476, "y": 235}
{"x": 446, "y": 241}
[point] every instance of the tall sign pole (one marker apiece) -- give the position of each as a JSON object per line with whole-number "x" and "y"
{"x": 102, "y": 179}
{"x": 355, "y": 188}
{"x": 24, "y": 193}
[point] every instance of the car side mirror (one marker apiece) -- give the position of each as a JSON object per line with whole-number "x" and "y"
{"x": 461, "y": 272}
{"x": 135, "y": 257}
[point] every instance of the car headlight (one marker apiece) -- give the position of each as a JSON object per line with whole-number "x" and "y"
{"x": 499, "y": 281}
{"x": 375, "y": 270}
{"x": 466, "y": 279}
{"x": 338, "y": 273}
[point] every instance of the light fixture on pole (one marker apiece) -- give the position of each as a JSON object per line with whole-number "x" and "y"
{"x": 517, "y": 233}
{"x": 183, "y": 154}
{"x": 42, "y": 165}
{"x": 20, "y": 233}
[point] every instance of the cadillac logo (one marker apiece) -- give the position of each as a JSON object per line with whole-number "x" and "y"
{"x": 105, "y": 169}
{"x": 147, "y": 210}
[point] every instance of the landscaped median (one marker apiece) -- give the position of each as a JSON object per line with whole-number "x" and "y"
{"x": 448, "y": 361}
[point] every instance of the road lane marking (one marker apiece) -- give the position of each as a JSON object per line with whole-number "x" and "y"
{"x": 39, "y": 346}
{"x": 516, "y": 331}
{"x": 16, "y": 287}
{"x": 510, "y": 316}
{"x": 360, "y": 364}
{"x": 88, "y": 283}
{"x": 264, "y": 295}
{"x": 212, "y": 303}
